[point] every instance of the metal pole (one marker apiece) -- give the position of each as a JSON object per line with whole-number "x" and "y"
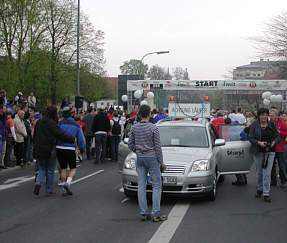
{"x": 78, "y": 50}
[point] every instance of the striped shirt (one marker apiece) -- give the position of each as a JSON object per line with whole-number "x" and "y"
{"x": 144, "y": 140}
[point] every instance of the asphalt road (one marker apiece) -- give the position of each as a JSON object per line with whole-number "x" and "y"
{"x": 99, "y": 212}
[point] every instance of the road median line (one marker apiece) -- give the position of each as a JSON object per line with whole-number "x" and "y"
{"x": 168, "y": 228}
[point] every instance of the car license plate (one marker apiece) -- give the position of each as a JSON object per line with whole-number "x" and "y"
{"x": 169, "y": 180}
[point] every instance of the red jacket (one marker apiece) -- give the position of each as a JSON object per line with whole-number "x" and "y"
{"x": 83, "y": 126}
{"x": 218, "y": 121}
{"x": 282, "y": 128}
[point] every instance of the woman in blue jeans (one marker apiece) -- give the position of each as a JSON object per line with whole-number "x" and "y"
{"x": 264, "y": 137}
{"x": 144, "y": 140}
{"x": 45, "y": 135}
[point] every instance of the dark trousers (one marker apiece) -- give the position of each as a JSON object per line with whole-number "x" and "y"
{"x": 9, "y": 148}
{"x": 274, "y": 172}
{"x": 89, "y": 152}
{"x": 108, "y": 149}
{"x": 115, "y": 141}
{"x": 28, "y": 152}
{"x": 101, "y": 143}
{"x": 19, "y": 152}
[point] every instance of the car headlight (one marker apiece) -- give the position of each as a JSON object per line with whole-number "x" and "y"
{"x": 130, "y": 163}
{"x": 200, "y": 165}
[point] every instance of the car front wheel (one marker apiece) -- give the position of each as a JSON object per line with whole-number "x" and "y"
{"x": 212, "y": 194}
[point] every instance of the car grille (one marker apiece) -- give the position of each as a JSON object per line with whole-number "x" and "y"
{"x": 164, "y": 188}
{"x": 175, "y": 169}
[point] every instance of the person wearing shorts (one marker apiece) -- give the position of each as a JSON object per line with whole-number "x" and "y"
{"x": 66, "y": 153}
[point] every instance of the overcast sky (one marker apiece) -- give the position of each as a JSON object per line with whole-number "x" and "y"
{"x": 208, "y": 37}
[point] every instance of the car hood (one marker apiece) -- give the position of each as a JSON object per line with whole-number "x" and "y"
{"x": 184, "y": 154}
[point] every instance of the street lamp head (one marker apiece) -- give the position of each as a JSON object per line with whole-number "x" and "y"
{"x": 156, "y": 52}
{"x": 162, "y": 52}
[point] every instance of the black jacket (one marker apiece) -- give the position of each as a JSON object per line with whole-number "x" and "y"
{"x": 255, "y": 135}
{"x": 101, "y": 123}
{"x": 45, "y": 135}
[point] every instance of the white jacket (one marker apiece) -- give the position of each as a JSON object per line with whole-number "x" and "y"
{"x": 20, "y": 129}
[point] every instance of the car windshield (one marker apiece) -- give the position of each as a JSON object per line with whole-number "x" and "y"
{"x": 183, "y": 136}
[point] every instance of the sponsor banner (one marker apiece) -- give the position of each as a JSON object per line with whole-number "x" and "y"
{"x": 133, "y": 85}
{"x": 186, "y": 110}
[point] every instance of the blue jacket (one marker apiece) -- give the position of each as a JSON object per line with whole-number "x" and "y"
{"x": 70, "y": 127}
{"x": 3, "y": 129}
{"x": 159, "y": 116}
{"x": 243, "y": 136}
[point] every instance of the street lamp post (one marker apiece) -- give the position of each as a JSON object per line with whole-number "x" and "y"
{"x": 156, "y": 52}
{"x": 78, "y": 51}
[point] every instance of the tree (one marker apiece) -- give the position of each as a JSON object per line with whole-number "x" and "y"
{"x": 167, "y": 75}
{"x": 60, "y": 21}
{"x": 178, "y": 73}
{"x": 229, "y": 74}
{"x": 273, "y": 43}
{"x": 156, "y": 73}
{"x": 20, "y": 32}
{"x": 134, "y": 67}
{"x": 38, "y": 47}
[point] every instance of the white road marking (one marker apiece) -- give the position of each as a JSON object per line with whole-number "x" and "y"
{"x": 16, "y": 183}
{"x": 126, "y": 199}
{"x": 168, "y": 228}
{"x": 88, "y": 176}
{"x": 20, "y": 180}
{"x": 15, "y": 179}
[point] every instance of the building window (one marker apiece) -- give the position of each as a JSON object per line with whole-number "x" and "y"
{"x": 258, "y": 75}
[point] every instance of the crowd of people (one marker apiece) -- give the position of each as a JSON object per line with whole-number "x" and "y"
{"x": 16, "y": 120}
{"x": 267, "y": 132}
{"x": 31, "y": 135}
{"x": 58, "y": 137}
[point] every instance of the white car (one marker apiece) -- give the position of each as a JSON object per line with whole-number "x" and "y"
{"x": 194, "y": 157}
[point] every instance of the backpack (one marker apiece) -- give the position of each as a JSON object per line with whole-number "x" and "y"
{"x": 116, "y": 130}
{"x": 127, "y": 130}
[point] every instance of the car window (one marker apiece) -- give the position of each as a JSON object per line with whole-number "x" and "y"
{"x": 183, "y": 136}
{"x": 212, "y": 135}
{"x": 230, "y": 132}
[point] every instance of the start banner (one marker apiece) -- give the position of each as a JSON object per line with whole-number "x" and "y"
{"x": 133, "y": 85}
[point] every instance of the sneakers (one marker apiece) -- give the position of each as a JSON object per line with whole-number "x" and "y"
{"x": 60, "y": 183}
{"x": 37, "y": 189}
{"x": 238, "y": 183}
{"x": 159, "y": 218}
{"x": 273, "y": 183}
{"x": 258, "y": 194}
{"x": 267, "y": 199}
{"x": 51, "y": 193}
{"x": 145, "y": 217}
{"x": 66, "y": 186}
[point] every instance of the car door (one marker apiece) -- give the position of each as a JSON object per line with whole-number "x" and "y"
{"x": 234, "y": 157}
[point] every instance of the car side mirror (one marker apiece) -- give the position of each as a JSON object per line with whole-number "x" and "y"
{"x": 126, "y": 140}
{"x": 219, "y": 142}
